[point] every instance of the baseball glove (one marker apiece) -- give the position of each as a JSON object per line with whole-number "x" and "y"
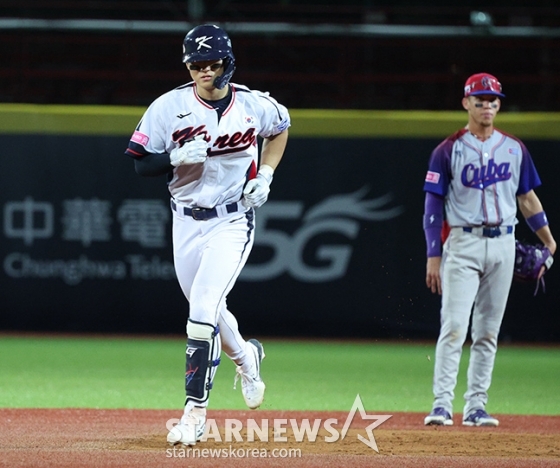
{"x": 529, "y": 259}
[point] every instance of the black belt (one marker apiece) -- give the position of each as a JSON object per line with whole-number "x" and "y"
{"x": 489, "y": 231}
{"x": 204, "y": 214}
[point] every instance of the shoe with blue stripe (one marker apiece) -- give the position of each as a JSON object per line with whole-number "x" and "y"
{"x": 480, "y": 418}
{"x": 439, "y": 417}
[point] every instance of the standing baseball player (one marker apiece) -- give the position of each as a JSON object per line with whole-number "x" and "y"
{"x": 203, "y": 135}
{"x": 477, "y": 177}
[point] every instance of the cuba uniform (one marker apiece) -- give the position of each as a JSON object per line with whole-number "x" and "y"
{"x": 480, "y": 182}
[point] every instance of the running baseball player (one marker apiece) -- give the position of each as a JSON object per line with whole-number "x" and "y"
{"x": 477, "y": 177}
{"x": 203, "y": 135}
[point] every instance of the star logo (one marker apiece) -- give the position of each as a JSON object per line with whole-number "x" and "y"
{"x": 379, "y": 419}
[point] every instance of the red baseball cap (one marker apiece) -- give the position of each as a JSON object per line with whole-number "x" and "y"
{"x": 483, "y": 83}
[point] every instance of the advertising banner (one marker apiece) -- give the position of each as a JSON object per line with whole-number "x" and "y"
{"x": 339, "y": 247}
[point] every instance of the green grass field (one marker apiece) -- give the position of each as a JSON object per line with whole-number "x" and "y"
{"x": 148, "y": 373}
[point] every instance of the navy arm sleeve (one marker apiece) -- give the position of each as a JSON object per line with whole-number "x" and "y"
{"x": 151, "y": 165}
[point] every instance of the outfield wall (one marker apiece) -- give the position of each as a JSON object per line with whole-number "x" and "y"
{"x": 339, "y": 251}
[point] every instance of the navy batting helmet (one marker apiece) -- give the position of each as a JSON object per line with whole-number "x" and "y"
{"x": 209, "y": 42}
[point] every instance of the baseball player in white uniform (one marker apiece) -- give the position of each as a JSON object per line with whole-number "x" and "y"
{"x": 204, "y": 136}
{"x": 477, "y": 178}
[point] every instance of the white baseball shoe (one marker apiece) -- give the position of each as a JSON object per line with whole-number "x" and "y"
{"x": 252, "y": 385}
{"x": 190, "y": 429}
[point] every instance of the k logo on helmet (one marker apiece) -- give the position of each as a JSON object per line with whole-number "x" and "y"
{"x": 201, "y": 41}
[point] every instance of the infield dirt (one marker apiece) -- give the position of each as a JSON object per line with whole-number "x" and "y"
{"x": 137, "y": 438}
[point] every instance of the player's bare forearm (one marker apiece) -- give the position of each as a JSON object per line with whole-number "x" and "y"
{"x": 545, "y": 235}
{"x": 273, "y": 149}
{"x": 433, "y": 279}
{"x": 530, "y": 205}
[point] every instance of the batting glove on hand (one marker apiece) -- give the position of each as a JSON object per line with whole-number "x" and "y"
{"x": 256, "y": 191}
{"x": 192, "y": 152}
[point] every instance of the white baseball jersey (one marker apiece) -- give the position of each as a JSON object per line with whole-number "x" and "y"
{"x": 180, "y": 115}
{"x": 480, "y": 180}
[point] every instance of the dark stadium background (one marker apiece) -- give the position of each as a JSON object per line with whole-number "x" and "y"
{"x": 310, "y": 55}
